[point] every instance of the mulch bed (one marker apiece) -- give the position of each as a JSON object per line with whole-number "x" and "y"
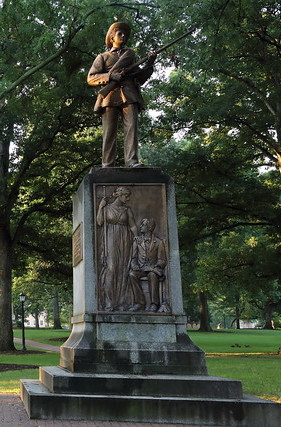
{"x": 13, "y": 367}
{"x": 59, "y": 339}
{"x": 22, "y": 352}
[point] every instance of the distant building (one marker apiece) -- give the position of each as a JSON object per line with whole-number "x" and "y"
{"x": 31, "y": 322}
{"x": 248, "y": 324}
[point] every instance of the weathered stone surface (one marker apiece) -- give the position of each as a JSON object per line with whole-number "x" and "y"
{"x": 132, "y": 360}
{"x": 246, "y": 412}
{"x": 98, "y": 339}
{"x": 58, "y": 380}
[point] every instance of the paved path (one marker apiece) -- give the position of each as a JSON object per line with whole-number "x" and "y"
{"x": 35, "y": 344}
{"x": 13, "y": 414}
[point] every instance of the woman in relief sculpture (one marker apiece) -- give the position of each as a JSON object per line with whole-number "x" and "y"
{"x": 119, "y": 228}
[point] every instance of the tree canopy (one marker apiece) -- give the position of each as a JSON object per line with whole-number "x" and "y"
{"x": 218, "y": 119}
{"x": 215, "y": 127}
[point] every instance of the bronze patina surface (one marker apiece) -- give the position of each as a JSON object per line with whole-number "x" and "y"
{"x": 131, "y": 233}
{"x": 124, "y": 100}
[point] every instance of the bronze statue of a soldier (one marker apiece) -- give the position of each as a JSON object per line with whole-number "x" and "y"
{"x": 121, "y": 95}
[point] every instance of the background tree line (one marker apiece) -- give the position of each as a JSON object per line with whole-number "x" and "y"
{"x": 215, "y": 129}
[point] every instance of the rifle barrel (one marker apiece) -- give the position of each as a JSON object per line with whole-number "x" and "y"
{"x": 175, "y": 41}
{"x": 142, "y": 60}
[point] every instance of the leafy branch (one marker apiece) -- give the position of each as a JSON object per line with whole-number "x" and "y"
{"x": 72, "y": 32}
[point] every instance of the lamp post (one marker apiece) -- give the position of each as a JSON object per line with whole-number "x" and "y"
{"x": 22, "y": 299}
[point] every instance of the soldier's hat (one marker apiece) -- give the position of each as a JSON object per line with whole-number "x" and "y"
{"x": 122, "y": 26}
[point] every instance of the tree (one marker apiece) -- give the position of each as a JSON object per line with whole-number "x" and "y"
{"x": 228, "y": 220}
{"x": 222, "y": 100}
{"x": 228, "y": 76}
{"x": 242, "y": 266}
{"x": 45, "y": 277}
{"x": 50, "y": 137}
{"x": 32, "y": 133}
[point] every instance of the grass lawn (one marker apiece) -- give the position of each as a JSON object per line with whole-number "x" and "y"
{"x": 9, "y": 380}
{"x": 46, "y": 335}
{"x": 247, "y": 355}
{"x": 238, "y": 341}
{"x": 260, "y": 376}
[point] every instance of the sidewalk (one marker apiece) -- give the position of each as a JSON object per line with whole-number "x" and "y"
{"x": 13, "y": 414}
{"x": 35, "y": 344}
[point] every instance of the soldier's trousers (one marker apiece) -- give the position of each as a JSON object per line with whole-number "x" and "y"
{"x": 110, "y": 119}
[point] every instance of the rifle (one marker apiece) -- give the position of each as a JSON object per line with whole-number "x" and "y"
{"x": 113, "y": 84}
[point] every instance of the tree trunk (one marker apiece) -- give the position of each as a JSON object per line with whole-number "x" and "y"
{"x": 268, "y": 310}
{"x": 56, "y": 311}
{"x": 36, "y": 317}
{"x": 6, "y": 326}
{"x": 237, "y": 312}
{"x": 237, "y": 323}
{"x": 204, "y": 313}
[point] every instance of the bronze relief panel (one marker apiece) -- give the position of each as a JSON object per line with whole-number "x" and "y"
{"x": 132, "y": 247}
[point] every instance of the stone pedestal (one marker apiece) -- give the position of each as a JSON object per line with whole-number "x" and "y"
{"x": 125, "y": 361}
{"x": 123, "y": 341}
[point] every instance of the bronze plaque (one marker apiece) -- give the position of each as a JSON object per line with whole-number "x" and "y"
{"x": 132, "y": 247}
{"x": 77, "y": 245}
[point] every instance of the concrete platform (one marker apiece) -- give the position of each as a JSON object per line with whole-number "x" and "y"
{"x": 245, "y": 412}
{"x": 58, "y": 380}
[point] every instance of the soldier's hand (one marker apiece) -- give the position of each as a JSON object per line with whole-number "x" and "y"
{"x": 151, "y": 57}
{"x": 116, "y": 77}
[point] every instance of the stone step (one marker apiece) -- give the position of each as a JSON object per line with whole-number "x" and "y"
{"x": 245, "y": 412}
{"x": 59, "y": 380}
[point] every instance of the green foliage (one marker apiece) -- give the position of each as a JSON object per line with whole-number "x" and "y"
{"x": 251, "y": 255}
{"x": 228, "y": 215}
{"x": 50, "y": 136}
{"x": 227, "y": 75}
{"x": 217, "y": 132}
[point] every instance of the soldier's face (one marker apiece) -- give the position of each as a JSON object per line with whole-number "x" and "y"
{"x": 119, "y": 38}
